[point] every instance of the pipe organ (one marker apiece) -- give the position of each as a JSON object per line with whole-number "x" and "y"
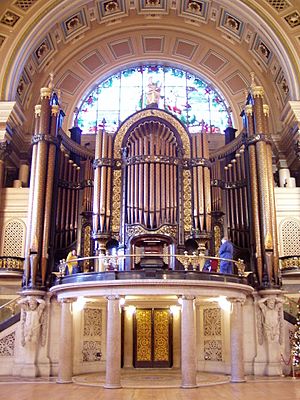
{"x": 151, "y": 173}
{"x": 151, "y": 185}
{"x": 67, "y": 201}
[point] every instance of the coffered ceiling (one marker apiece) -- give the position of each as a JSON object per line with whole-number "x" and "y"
{"x": 82, "y": 42}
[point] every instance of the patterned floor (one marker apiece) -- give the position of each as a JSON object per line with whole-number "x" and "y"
{"x": 139, "y": 378}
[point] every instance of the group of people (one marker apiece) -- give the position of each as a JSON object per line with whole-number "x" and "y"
{"x": 225, "y": 253}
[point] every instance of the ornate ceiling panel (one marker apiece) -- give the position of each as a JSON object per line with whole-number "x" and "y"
{"x": 82, "y": 41}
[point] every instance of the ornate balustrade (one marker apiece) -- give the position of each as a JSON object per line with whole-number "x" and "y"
{"x": 189, "y": 266}
{"x": 288, "y": 263}
{"x": 11, "y": 265}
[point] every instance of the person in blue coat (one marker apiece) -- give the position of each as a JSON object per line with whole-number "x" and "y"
{"x": 226, "y": 251}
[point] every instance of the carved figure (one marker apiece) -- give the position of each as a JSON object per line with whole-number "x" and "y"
{"x": 32, "y": 318}
{"x": 270, "y": 318}
{"x": 153, "y": 94}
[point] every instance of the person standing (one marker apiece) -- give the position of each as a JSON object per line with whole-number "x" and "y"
{"x": 226, "y": 251}
{"x": 72, "y": 263}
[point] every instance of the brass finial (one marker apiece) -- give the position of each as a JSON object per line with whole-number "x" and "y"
{"x": 37, "y": 110}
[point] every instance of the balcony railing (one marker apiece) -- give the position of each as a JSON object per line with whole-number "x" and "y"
{"x": 288, "y": 263}
{"x": 115, "y": 267}
{"x": 11, "y": 265}
{"x": 8, "y": 310}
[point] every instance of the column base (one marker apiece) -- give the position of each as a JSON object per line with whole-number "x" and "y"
{"x": 63, "y": 381}
{"x": 112, "y": 386}
{"x": 189, "y": 386}
{"x": 237, "y": 380}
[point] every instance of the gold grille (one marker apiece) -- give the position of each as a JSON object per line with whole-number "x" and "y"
{"x": 161, "y": 335}
{"x": 143, "y": 329}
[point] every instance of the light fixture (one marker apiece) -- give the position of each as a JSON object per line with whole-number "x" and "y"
{"x": 224, "y": 303}
{"x": 130, "y": 309}
{"x": 180, "y": 300}
{"x": 80, "y": 303}
{"x": 122, "y": 301}
{"x": 174, "y": 310}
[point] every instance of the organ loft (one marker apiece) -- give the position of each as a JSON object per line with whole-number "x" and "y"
{"x": 149, "y": 191}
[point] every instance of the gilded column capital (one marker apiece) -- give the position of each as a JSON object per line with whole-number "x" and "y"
{"x": 45, "y": 92}
{"x": 266, "y": 110}
{"x": 54, "y": 110}
{"x": 37, "y": 110}
{"x": 249, "y": 110}
{"x": 257, "y": 91}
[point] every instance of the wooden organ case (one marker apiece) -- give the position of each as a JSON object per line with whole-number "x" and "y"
{"x": 154, "y": 207}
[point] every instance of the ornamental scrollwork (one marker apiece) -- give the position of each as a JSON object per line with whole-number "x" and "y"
{"x": 187, "y": 200}
{"x": 135, "y": 230}
{"x": 116, "y": 204}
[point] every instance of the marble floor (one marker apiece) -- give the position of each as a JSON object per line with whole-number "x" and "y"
{"x": 141, "y": 387}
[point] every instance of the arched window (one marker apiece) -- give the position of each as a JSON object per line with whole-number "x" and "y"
{"x": 195, "y": 102}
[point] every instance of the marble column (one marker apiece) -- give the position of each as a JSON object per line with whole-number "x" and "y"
{"x": 188, "y": 343}
{"x": 113, "y": 344}
{"x": 236, "y": 341}
{"x": 65, "y": 363}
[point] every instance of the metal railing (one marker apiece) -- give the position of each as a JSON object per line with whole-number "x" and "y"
{"x": 189, "y": 262}
{"x": 11, "y": 264}
{"x": 9, "y": 309}
{"x": 291, "y": 307}
{"x": 289, "y": 262}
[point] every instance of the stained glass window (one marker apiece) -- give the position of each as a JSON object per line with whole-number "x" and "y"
{"x": 195, "y": 102}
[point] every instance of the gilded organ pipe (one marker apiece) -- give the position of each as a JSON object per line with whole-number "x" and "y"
{"x": 68, "y": 203}
{"x": 206, "y": 184}
{"x": 240, "y": 201}
{"x": 32, "y": 179}
{"x": 109, "y": 184}
{"x": 271, "y": 197}
{"x": 41, "y": 191}
{"x": 103, "y": 181}
{"x": 158, "y": 183}
{"x": 151, "y": 183}
{"x": 195, "y": 185}
{"x": 63, "y": 199}
{"x": 97, "y": 183}
{"x": 140, "y": 181}
{"x": 254, "y": 193}
{"x": 49, "y": 191}
{"x": 146, "y": 183}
